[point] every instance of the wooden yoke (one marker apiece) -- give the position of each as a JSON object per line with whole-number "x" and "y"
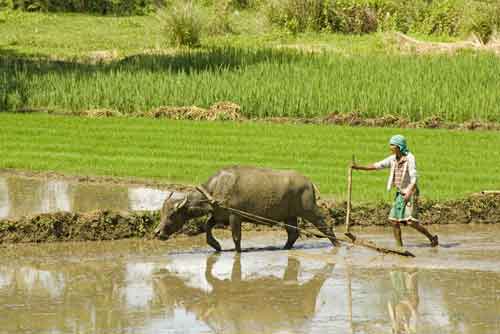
{"x": 209, "y": 197}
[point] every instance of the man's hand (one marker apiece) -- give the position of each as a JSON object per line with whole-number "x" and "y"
{"x": 407, "y": 197}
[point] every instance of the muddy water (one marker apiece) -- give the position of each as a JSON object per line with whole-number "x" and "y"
{"x": 21, "y": 196}
{"x": 180, "y": 286}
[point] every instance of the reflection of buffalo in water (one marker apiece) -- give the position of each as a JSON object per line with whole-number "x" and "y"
{"x": 255, "y": 305}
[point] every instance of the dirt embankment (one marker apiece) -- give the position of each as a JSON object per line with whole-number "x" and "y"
{"x": 229, "y": 111}
{"x": 107, "y": 225}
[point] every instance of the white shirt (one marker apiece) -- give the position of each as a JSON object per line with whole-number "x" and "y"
{"x": 409, "y": 173}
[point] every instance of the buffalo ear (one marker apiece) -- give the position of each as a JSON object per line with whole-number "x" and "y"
{"x": 180, "y": 205}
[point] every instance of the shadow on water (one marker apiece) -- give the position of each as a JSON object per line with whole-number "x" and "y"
{"x": 305, "y": 246}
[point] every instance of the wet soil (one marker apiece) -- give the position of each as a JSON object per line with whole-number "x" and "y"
{"x": 181, "y": 286}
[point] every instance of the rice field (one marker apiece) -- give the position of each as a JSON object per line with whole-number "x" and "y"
{"x": 265, "y": 82}
{"x": 451, "y": 164}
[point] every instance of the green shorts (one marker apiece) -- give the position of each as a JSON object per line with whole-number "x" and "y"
{"x": 403, "y": 213}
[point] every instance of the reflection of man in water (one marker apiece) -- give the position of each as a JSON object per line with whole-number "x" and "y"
{"x": 262, "y": 304}
{"x": 403, "y": 305}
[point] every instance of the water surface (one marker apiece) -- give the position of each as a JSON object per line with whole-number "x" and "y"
{"x": 22, "y": 196}
{"x": 181, "y": 286}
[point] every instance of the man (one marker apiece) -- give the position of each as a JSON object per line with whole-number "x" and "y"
{"x": 403, "y": 177}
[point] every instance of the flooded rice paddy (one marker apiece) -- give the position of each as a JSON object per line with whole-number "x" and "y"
{"x": 22, "y": 196}
{"x": 181, "y": 286}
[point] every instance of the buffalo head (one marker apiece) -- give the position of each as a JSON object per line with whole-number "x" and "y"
{"x": 173, "y": 215}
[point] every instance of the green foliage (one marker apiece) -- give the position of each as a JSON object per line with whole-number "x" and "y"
{"x": 484, "y": 21}
{"x": 438, "y": 17}
{"x": 104, "y": 7}
{"x": 442, "y": 18}
{"x": 296, "y": 15}
{"x": 6, "y": 4}
{"x": 220, "y": 22}
{"x": 183, "y": 24}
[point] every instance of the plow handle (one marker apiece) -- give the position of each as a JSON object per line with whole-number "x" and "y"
{"x": 349, "y": 194}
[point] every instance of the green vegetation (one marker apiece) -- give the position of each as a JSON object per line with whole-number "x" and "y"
{"x": 436, "y": 17}
{"x": 104, "y": 7}
{"x": 43, "y": 35}
{"x": 451, "y": 164}
{"x": 265, "y": 83}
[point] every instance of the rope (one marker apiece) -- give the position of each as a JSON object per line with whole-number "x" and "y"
{"x": 270, "y": 222}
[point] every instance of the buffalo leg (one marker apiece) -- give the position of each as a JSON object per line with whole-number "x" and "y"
{"x": 293, "y": 233}
{"x": 318, "y": 219}
{"x": 210, "y": 237}
{"x": 236, "y": 272}
{"x": 292, "y": 270}
{"x": 235, "y": 223}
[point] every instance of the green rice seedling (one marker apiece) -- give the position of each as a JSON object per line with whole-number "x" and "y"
{"x": 266, "y": 82}
{"x": 451, "y": 164}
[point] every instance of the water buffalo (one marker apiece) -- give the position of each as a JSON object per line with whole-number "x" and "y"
{"x": 279, "y": 195}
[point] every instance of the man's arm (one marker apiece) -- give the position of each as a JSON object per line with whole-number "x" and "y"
{"x": 386, "y": 163}
{"x": 359, "y": 167}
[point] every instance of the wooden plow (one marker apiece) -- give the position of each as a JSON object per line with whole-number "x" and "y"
{"x": 350, "y": 239}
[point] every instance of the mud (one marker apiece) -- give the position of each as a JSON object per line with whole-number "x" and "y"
{"x": 180, "y": 286}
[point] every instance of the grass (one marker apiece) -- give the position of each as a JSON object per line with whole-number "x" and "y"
{"x": 47, "y": 35}
{"x": 451, "y": 164}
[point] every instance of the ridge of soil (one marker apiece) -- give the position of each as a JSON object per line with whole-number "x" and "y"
{"x": 230, "y": 111}
{"x": 407, "y": 44}
{"x": 110, "y": 225}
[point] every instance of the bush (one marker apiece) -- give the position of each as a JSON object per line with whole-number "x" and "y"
{"x": 116, "y": 7}
{"x": 350, "y": 16}
{"x": 485, "y": 19}
{"x": 183, "y": 24}
{"x": 438, "y": 17}
{"x": 220, "y": 22}
{"x": 442, "y": 18}
{"x": 6, "y": 4}
{"x": 297, "y": 15}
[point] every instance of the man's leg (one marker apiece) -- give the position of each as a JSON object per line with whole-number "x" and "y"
{"x": 396, "y": 230}
{"x": 432, "y": 238}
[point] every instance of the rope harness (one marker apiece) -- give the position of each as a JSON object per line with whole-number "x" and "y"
{"x": 351, "y": 239}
